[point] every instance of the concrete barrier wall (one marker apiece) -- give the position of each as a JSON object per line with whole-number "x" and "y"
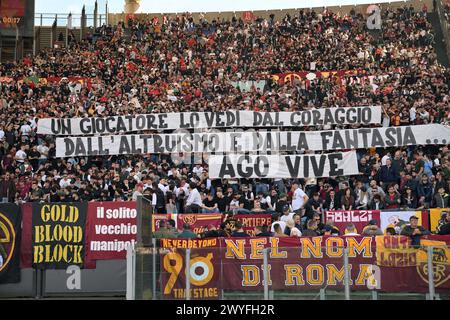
{"x": 108, "y": 279}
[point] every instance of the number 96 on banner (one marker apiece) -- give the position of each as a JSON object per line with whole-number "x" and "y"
{"x": 202, "y": 276}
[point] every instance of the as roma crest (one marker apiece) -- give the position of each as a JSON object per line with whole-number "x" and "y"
{"x": 7, "y": 241}
{"x": 190, "y": 219}
{"x": 441, "y": 262}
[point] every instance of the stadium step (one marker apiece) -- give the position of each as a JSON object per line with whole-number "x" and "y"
{"x": 46, "y": 35}
{"x": 439, "y": 45}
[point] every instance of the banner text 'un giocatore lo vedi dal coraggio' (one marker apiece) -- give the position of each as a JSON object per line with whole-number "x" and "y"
{"x": 197, "y": 120}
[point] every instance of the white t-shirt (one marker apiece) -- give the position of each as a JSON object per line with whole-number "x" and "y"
{"x": 194, "y": 198}
{"x": 297, "y": 199}
{"x": 25, "y": 129}
{"x": 383, "y": 160}
{"x": 295, "y": 232}
{"x": 290, "y": 216}
{"x": 21, "y": 155}
{"x": 282, "y": 225}
{"x": 64, "y": 183}
{"x": 43, "y": 150}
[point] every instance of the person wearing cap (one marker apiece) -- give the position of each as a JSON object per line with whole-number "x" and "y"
{"x": 187, "y": 233}
{"x": 287, "y": 213}
{"x": 372, "y": 229}
{"x": 414, "y": 231}
{"x": 444, "y": 224}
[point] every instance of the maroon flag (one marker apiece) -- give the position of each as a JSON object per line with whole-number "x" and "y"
{"x": 360, "y": 218}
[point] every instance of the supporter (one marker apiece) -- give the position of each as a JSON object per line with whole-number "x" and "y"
{"x": 221, "y": 201}
{"x": 372, "y": 229}
{"x": 299, "y": 198}
{"x": 238, "y": 231}
{"x": 311, "y": 230}
{"x": 327, "y": 230}
{"x": 263, "y": 231}
{"x": 314, "y": 205}
{"x": 187, "y": 233}
{"x": 237, "y": 204}
{"x": 362, "y": 200}
{"x": 350, "y": 230}
{"x": 377, "y": 203}
{"x": 278, "y": 230}
{"x": 444, "y": 224}
{"x": 347, "y": 200}
{"x": 172, "y": 227}
{"x": 424, "y": 192}
{"x": 334, "y": 230}
{"x": 210, "y": 204}
{"x": 194, "y": 201}
{"x": 211, "y": 232}
{"x": 440, "y": 199}
{"x": 390, "y": 231}
{"x": 163, "y": 231}
{"x": 257, "y": 207}
{"x": 374, "y": 190}
{"x": 409, "y": 200}
{"x": 137, "y": 191}
{"x": 392, "y": 199}
{"x": 249, "y": 196}
{"x": 287, "y": 214}
{"x": 170, "y": 71}
{"x": 294, "y": 231}
{"x": 8, "y": 188}
{"x": 276, "y": 220}
{"x": 297, "y": 221}
{"x": 414, "y": 231}
{"x": 332, "y": 202}
{"x": 388, "y": 174}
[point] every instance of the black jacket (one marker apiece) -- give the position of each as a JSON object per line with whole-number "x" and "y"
{"x": 444, "y": 229}
{"x": 337, "y": 203}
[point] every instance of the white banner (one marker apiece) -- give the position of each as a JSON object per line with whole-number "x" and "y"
{"x": 397, "y": 219}
{"x": 252, "y": 141}
{"x": 283, "y": 166}
{"x": 197, "y": 120}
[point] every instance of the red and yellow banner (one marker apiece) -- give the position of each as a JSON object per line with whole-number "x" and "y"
{"x": 383, "y": 263}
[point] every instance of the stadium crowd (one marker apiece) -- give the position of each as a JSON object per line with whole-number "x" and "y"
{"x": 178, "y": 65}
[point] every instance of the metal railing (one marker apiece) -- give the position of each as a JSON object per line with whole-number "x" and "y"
{"x": 148, "y": 277}
{"x": 47, "y": 19}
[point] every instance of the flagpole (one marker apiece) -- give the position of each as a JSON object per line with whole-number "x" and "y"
{"x": 67, "y": 30}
